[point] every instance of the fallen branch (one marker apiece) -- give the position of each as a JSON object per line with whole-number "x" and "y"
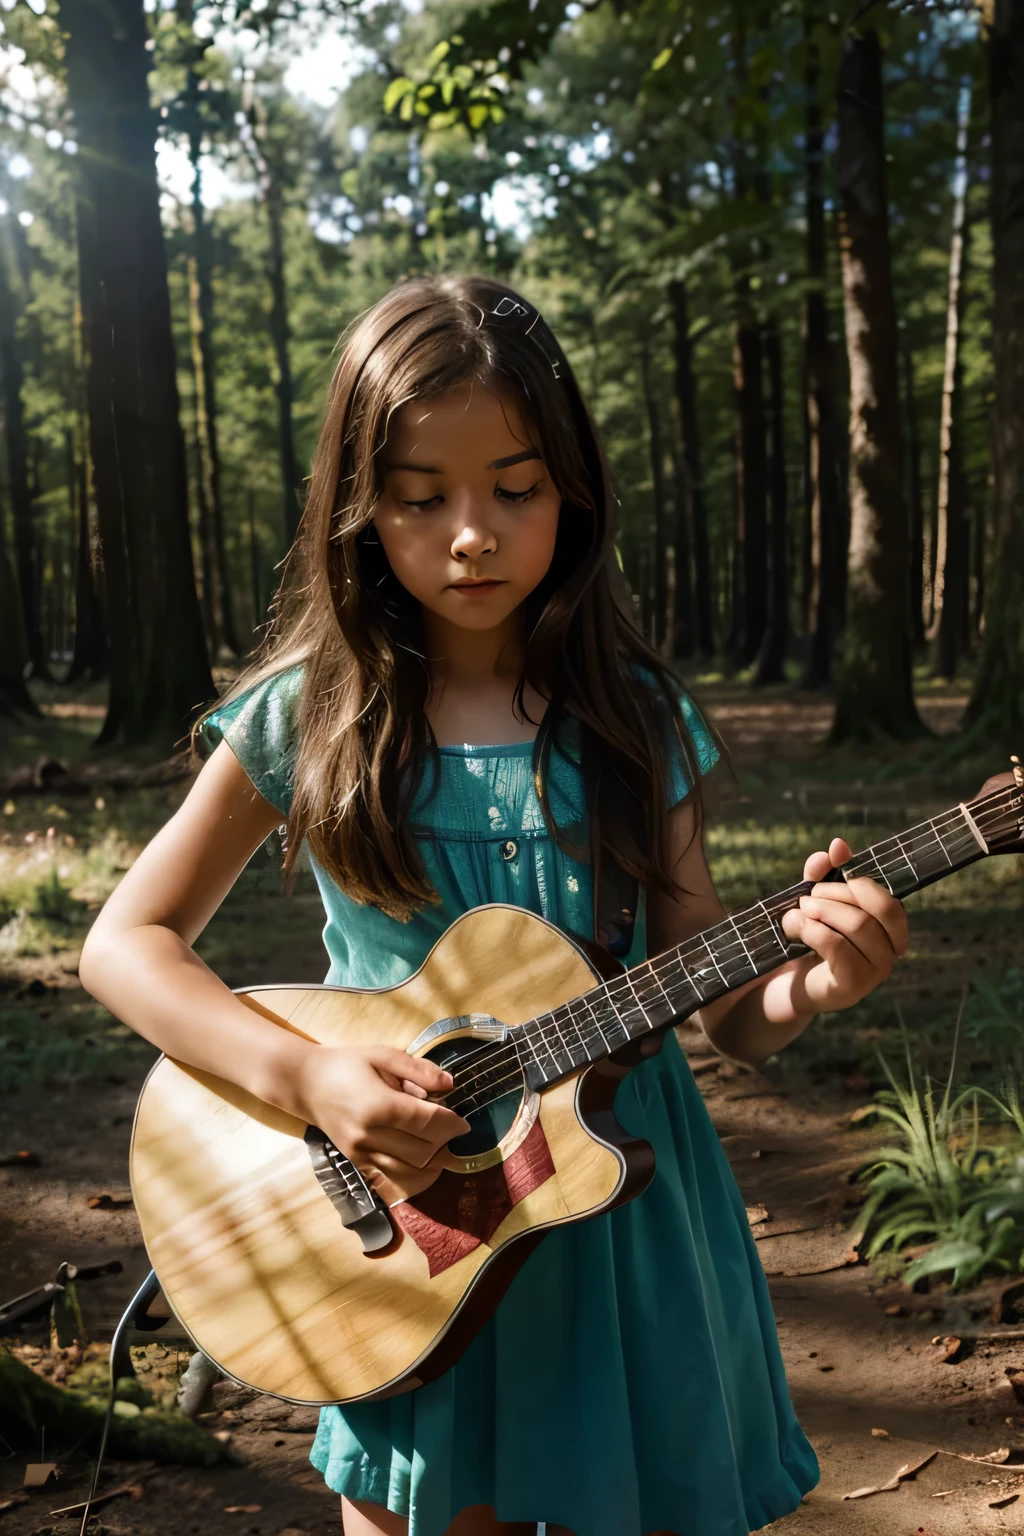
{"x": 29, "y": 1403}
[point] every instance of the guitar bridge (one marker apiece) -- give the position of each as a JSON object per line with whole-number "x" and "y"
{"x": 361, "y": 1211}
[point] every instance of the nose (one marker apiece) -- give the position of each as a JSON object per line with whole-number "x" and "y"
{"x": 472, "y": 537}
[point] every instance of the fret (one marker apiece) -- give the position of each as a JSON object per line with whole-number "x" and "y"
{"x": 938, "y": 838}
{"x": 674, "y": 957}
{"x": 579, "y": 1033}
{"x": 570, "y": 1058}
{"x": 543, "y": 1039}
{"x": 585, "y": 1000}
{"x": 654, "y": 974}
{"x": 628, "y": 979}
{"x": 613, "y": 1020}
{"x": 743, "y": 945}
{"x": 777, "y": 933}
{"x": 704, "y": 970}
{"x": 908, "y": 861}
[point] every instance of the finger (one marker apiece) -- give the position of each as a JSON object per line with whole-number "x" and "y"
{"x": 863, "y": 931}
{"x": 875, "y": 899}
{"x": 387, "y": 1142}
{"x": 422, "y": 1118}
{"x": 839, "y": 851}
{"x": 843, "y": 959}
{"x": 413, "y": 1069}
{"x": 817, "y": 865}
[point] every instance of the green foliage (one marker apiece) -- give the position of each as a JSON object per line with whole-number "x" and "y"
{"x": 53, "y": 899}
{"x": 942, "y": 1185}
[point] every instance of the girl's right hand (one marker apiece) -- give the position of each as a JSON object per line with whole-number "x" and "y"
{"x": 371, "y": 1101}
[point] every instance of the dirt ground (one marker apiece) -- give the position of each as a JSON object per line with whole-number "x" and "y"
{"x": 870, "y": 1386}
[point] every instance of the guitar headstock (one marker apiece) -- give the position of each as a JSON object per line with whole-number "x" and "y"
{"x": 998, "y": 810}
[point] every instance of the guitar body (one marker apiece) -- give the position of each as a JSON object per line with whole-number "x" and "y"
{"x": 251, "y": 1252}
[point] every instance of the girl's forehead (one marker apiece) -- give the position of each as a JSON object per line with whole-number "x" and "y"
{"x": 471, "y": 417}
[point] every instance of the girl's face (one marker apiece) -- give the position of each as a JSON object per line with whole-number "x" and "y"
{"x": 467, "y": 513}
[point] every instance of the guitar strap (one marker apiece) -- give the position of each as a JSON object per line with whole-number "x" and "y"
{"x": 616, "y": 892}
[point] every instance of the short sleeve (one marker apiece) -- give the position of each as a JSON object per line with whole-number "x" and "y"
{"x": 260, "y": 727}
{"x": 705, "y": 751}
{"x": 678, "y": 781}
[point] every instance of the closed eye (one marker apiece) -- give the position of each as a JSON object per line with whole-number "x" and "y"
{"x": 423, "y": 505}
{"x": 518, "y": 497}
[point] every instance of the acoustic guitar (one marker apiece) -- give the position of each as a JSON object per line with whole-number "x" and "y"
{"x": 287, "y": 1270}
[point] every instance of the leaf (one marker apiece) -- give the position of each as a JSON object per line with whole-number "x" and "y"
{"x": 436, "y": 54}
{"x": 478, "y": 115}
{"x": 943, "y": 1256}
{"x": 909, "y": 1469}
{"x": 405, "y": 111}
{"x": 662, "y": 59}
{"x": 397, "y": 89}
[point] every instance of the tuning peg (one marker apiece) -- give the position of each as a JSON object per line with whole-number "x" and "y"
{"x": 1018, "y": 771}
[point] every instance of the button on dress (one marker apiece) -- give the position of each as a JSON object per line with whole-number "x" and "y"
{"x": 630, "y": 1379}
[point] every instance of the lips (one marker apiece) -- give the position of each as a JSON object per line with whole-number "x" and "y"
{"x": 477, "y": 586}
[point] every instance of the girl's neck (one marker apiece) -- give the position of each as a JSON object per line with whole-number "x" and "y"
{"x": 473, "y": 678}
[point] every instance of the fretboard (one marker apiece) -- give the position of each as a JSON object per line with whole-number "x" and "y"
{"x": 751, "y": 943}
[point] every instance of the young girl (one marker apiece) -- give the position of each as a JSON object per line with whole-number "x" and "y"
{"x": 452, "y": 708}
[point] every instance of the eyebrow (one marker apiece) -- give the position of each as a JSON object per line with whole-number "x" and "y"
{"x": 513, "y": 458}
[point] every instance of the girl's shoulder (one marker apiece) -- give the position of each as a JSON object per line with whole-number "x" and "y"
{"x": 260, "y": 725}
{"x": 703, "y": 749}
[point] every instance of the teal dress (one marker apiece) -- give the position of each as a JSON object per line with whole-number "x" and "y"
{"x": 630, "y": 1379}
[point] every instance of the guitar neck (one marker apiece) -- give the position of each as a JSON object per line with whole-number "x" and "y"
{"x": 751, "y": 943}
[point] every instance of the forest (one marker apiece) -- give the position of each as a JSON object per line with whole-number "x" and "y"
{"x": 783, "y": 246}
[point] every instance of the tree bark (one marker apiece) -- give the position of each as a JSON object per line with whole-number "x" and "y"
{"x": 656, "y": 447}
{"x": 89, "y": 655}
{"x": 915, "y": 488}
{"x": 15, "y": 698}
{"x": 280, "y": 335}
{"x": 821, "y": 490}
{"x": 996, "y": 709}
{"x": 949, "y": 618}
{"x": 751, "y": 617}
{"x": 696, "y": 507}
{"x": 771, "y": 661}
{"x": 875, "y": 696}
{"x": 159, "y": 673}
{"x": 204, "y": 367}
{"x": 19, "y": 481}
{"x": 682, "y": 569}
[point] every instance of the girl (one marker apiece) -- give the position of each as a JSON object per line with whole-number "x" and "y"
{"x": 450, "y": 705}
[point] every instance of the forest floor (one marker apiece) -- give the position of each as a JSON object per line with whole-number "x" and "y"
{"x": 871, "y": 1388}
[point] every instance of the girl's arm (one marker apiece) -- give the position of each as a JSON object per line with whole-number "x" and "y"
{"x": 139, "y": 962}
{"x": 855, "y": 931}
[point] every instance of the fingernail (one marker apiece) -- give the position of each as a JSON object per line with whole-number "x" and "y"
{"x": 447, "y": 1077}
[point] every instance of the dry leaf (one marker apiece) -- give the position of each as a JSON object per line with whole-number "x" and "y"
{"x": 909, "y": 1469}
{"x": 1011, "y": 1498}
{"x": 785, "y": 1228}
{"x": 880, "y": 1434}
{"x": 952, "y": 1350}
{"x": 896, "y": 1310}
{"x": 243, "y": 1509}
{"x": 996, "y": 1458}
{"x": 851, "y": 1256}
{"x": 108, "y": 1202}
{"x": 1015, "y": 1376}
{"x": 756, "y": 1214}
{"x": 39, "y": 1473}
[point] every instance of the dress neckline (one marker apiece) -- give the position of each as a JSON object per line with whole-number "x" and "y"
{"x": 509, "y": 749}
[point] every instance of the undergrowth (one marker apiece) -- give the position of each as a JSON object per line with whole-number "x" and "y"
{"x": 953, "y": 1182}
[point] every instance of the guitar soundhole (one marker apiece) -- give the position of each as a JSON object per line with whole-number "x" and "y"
{"x": 493, "y": 1120}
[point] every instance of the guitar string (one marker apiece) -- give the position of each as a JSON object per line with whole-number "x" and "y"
{"x": 902, "y": 843}
{"x": 624, "y": 990}
{"x": 621, "y": 988}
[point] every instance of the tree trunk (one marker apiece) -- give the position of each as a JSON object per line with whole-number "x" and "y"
{"x": 915, "y": 489}
{"x": 682, "y": 565}
{"x": 204, "y": 369}
{"x": 280, "y": 334}
{"x": 656, "y": 447}
{"x": 89, "y": 655}
{"x": 686, "y": 395}
{"x": 875, "y": 696}
{"x": 771, "y": 661}
{"x": 751, "y": 617}
{"x": 19, "y": 482}
{"x": 996, "y": 709}
{"x": 950, "y": 591}
{"x": 14, "y": 696}
{"x": 159, "y": 673}
{"x": 821, "y": 490}
{"x": 254, "y": 565}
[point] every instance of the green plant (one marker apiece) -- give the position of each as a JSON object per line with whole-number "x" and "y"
{"x": 941, "y": 1185}
{"x": 53, "y": 901}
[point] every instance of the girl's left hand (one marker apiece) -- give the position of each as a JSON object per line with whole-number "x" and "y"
{"x": 856, "y": 932}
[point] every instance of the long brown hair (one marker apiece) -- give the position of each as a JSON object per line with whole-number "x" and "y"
{"x": 364, "y": 739}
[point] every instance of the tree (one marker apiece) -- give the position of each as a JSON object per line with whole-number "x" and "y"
{"x": 875, "y": 696}
{"x": 821, "y": 488}
{"x": 771, "y": 660}
{"x": 159, "y": 673}
{"x": 996, "y": 708}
